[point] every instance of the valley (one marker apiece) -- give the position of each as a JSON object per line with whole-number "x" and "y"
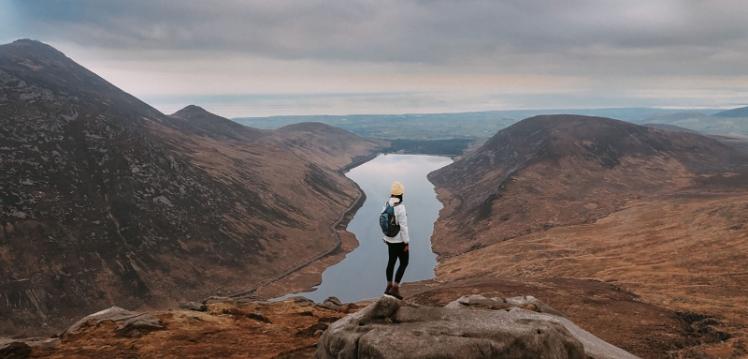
{"x": 638, "y": 234}
{"x": 364, "y": 265}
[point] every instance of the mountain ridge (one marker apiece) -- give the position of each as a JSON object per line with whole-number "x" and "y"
{"x": 106, "y": 200}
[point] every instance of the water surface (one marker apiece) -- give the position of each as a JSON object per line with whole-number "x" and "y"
{"x": 360, "y": 275}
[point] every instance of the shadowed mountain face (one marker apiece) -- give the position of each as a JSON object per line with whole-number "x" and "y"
{"x": 555, "y": 170}
{"x": 105, "y": 200}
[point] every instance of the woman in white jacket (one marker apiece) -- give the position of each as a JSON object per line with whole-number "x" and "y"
{"x": 398, "y": 244}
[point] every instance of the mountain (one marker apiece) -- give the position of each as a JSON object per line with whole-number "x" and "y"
{"x": 735, "y": 112}
{"x": 504, "y": 188}
{"x": 589, "y": 202}
{"x": 204, "y": 123}
{"x": 106, "y": 200}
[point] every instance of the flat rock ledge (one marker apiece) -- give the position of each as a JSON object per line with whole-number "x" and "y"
{"x": 470, "y": 327}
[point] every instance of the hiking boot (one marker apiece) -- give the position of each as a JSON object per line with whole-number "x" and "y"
{"x": 388, "y": 291}
{"x": 395, "y": 292}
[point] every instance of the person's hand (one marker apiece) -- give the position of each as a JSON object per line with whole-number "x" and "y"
{"x": 406, "y": 247}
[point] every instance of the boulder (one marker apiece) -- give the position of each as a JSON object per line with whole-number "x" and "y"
{"x": 112, "y": 313}
{"x": 471, "y": 327}
{"x": 526, "y": 302}
{"x": 198, "y": 307}
{"x": 129, "y": 323}
{"x": 531, "y": 303}
{"x": 478, "y": 301}
{"x": 333, "y": 300}
{"x": 594, "y": 347}
{"x": 332, "y": 303}
{"x": 138, "y": 325}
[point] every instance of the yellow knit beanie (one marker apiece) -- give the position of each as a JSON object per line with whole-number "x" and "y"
{"x": 397, "y": 188}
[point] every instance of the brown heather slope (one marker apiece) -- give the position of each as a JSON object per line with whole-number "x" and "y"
{"x": 224, "y": 329}
{"x": 553, "y": 170}
{"x": 105, "y": 200}
{"x": 326, "y": 144}
{"x": 660, "y": 214}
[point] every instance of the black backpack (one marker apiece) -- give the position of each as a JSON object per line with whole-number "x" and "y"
{"x": 388, "y": 222}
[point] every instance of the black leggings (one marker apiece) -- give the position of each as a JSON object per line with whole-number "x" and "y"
{"x": 396, "y": 251}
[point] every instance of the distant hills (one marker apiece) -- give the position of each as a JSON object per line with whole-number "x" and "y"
{"x": 731, "y": 123}
{"x": 736, "y": 112}
{"x": 106, "y": 200}
{"x": 440, "y": 126}
{"x": 406, "y": 127}
{"x": 482, "y": 125}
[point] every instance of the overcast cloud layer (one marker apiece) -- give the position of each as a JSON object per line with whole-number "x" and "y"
{"x": 283, "y": 57}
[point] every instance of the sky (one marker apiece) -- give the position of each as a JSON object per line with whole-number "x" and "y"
{"x": 257, "y": 58}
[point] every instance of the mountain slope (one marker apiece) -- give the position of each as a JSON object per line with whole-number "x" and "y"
{"x": 658, "y": 213}
{"x": 107, "y": 201}
{"x": 547, "y": 171}
{"x": 325, "y": 144}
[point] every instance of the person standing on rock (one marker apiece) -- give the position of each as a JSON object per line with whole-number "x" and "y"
{"x": 394, "y": 223}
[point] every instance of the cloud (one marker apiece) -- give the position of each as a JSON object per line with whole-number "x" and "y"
{"x": 440, "y": 31}
{"x": 376, "y": 46}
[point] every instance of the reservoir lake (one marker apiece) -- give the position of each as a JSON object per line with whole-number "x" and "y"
{"x": 361, "y": 274}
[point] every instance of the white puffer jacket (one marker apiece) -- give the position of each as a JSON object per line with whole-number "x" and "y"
{"x": 402, "y": 220}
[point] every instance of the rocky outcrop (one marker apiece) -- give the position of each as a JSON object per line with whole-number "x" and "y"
{"x": 224, "y": 327}
{"x": 129, "y": 324}
{"x": 470, "y": 327}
